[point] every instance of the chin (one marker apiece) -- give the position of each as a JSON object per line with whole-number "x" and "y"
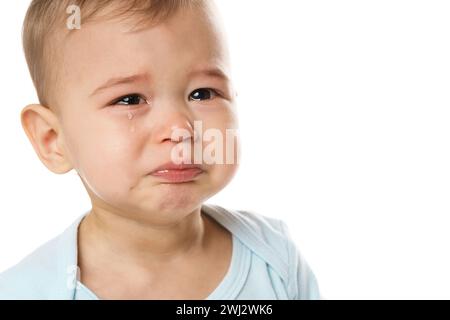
{"x": 174, "y": 203}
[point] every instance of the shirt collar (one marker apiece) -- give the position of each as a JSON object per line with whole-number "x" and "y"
{"x": 67, "y": 272}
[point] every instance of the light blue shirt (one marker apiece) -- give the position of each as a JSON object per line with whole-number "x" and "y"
{"x": 265, "y": 264}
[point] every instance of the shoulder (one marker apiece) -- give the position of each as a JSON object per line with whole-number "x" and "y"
{"x": 263, "y": 234}
{"x": 27, "y": 278}
{"x": 44, "y": 273}
{"x": 270, "y": 238}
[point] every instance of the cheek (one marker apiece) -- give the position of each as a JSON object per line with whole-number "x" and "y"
{"x": 221, "y": 134}
{"x": 104, "y": 158}
{"x": 221, "y": 130}
{"x": 221, "y": 175}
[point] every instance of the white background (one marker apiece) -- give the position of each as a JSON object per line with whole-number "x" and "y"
{"x": 344, "y": 110}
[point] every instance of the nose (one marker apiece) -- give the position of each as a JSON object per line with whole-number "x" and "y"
{"x": 173, "y": 124}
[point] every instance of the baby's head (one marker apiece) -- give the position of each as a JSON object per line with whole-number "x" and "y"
{"x": 139, "y": 84}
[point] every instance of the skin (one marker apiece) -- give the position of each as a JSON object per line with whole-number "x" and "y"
{"x": 144, "y": 238}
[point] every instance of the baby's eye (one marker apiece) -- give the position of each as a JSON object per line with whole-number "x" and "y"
{"x": 131, "y": 99}
{"x": 203, "y": 94}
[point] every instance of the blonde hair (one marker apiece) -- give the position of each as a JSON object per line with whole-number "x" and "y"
{"x": 45, "y": 27}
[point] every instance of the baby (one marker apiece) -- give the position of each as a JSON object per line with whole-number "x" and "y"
{"x": 136, "y": 97}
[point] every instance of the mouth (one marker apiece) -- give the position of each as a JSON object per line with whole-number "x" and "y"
{"x": 177, "y": 173}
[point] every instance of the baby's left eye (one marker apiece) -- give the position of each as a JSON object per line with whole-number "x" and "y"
{"x": 203, "y": 94}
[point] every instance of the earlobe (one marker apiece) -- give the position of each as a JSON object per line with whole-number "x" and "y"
{"x": 42, "y": 129}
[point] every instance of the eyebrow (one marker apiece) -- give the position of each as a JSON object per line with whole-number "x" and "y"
{"x": 211, "y": 72}
{"x": 119, "y": 81}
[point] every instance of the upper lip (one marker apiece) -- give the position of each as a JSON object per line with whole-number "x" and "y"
{"x": 172, "y": 166}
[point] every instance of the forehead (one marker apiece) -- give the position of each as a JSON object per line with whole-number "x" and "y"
{"x": 111, "y": 48}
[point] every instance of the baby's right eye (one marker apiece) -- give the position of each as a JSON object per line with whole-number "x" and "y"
{"x": 130, "y": 99}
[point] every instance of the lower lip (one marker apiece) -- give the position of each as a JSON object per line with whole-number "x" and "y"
{"x": 178, "y": 176}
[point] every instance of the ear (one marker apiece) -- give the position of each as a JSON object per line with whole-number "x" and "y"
{"x": 42, "y": 129}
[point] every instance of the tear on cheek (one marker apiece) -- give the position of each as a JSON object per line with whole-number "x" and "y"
{"x": 130, "y": 117}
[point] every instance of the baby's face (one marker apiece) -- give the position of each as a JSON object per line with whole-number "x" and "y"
{"x": 116, "y": 132}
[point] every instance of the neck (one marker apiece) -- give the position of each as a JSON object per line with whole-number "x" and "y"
{"x": 102, "y": 234}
